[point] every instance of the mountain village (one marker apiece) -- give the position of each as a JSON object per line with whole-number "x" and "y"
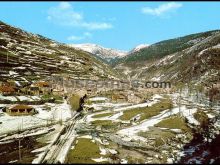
{"x": 52, "y": 110}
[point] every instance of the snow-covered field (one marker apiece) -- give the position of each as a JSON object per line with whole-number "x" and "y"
{"x": 10, "y": 98}
{"x": 98, "y": 99}
{"x": 20, "y": 98}
{"x": 188, "y": 106}
{"x": 117, "y": 108}
{"x": 107, "y": 105}
{"x": 14, "y": 123}
{"x": 127, "y": 133}
{"x": 144, "y": 126}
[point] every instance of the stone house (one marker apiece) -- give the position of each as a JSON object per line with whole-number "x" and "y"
{"x": 7, "y": 90}
{"x": 21, "y": 109}
{"x": 40, "y": 88}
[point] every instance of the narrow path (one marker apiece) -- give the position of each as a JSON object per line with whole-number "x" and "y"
{"x": 57, "y": 151}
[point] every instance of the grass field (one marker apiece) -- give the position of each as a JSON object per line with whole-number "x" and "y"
{"x": 174, "y": 122}
{"x": 201, "y": 117}
{"x": 148, "y": 112}
{"x": 103, "y": 115}
{"x": 161, "y": 136}
{"x": 58, "y": 99}
{"x": 83, "y": 152}
{"x": 106, "y": 124}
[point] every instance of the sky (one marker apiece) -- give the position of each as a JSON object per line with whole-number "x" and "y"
{"x": 117, "y": 25}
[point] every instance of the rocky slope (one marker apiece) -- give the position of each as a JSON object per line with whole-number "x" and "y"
{"x": 192, "y": 58}
{"x": 25, "y": 56}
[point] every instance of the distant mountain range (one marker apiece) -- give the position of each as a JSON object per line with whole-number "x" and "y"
{"x": 105, "y": 53}
{"x": 108, "y": 55}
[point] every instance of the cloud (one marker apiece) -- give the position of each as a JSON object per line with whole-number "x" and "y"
{"x": 162, "y": 9}
{"x": 87, "y": 34}
{"x": 64, "y": 14}
{"x": 64, "y": 5}
{"x": 95, "y": 25}
{"x": 77, "y": 38}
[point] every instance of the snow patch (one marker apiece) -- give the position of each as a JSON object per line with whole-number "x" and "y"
{"x": 100, "y": 159}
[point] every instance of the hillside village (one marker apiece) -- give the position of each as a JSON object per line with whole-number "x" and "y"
{"x": 105, "y": 111}
{"x": 12, "y": 93}
{"x": 48, "y": 114}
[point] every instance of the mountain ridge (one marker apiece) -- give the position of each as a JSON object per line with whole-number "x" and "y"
{"x": 178, "y": 59}
{"x": 31, "y": 56}
{"x": 100, "y": 51}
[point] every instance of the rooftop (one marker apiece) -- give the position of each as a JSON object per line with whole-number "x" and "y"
{"x": 6, "y": 88}
{"x": 41, "y": 84}
{"x": 21, "y": 106}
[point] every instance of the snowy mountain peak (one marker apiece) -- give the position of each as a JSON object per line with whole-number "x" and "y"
{"x": 139, "y": 47}
{"x": 104, "y": 53}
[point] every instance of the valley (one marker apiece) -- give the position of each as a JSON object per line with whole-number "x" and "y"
{"x": 55, "y": 106}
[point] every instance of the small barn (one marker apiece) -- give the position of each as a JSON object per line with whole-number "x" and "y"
{"x": 41, "y": 87}
{"x": 119, "y": 97}
{"x": 7, "y": 90}
{"x": 21, "y": 109}
{"x": 42, "y": 84}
